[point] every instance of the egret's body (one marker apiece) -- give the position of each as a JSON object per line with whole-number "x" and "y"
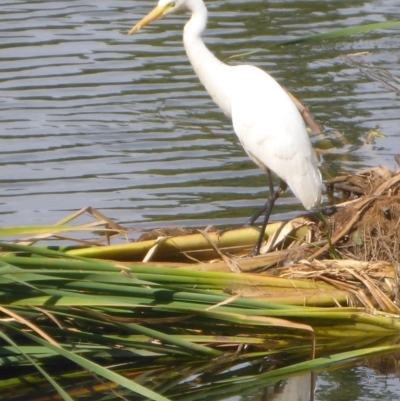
{"x": 266, "y": 121}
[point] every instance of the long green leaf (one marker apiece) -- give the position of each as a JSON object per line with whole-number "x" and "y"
{"x": 99, "y": 370}
{"x": 35, "y": 230}
{"x": 353, "y": 30}
{"x": 58, "y": 388}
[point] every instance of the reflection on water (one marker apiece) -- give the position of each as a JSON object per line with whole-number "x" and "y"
{"x": 356, "y": 383}
{"x": 91, "y": 116}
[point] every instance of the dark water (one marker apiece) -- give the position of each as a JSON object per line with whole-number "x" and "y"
{"x": 92, "y": 117}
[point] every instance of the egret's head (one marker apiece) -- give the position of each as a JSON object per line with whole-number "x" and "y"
{"x": 163, "y": 7}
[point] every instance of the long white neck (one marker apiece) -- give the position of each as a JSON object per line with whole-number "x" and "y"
{"x": 207, "y": 67}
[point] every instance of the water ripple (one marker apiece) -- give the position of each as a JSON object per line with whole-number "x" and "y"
{"x": 91, "y": 116}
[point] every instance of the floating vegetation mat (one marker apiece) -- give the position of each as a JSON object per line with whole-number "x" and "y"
{"x": 186, "y": 315}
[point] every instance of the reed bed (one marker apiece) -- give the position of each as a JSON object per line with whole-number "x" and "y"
{"x": 179, "y": 315}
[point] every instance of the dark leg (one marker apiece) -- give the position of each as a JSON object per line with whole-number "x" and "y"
{"x": 253, "y": 219}
{"x": 267, "y": 208}
{"x": 270, "y": 205}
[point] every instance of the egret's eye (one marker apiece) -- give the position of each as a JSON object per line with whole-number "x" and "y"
{"x": 171, "y": 4}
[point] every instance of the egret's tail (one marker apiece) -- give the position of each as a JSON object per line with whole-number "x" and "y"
{"x": 308, "y": 189}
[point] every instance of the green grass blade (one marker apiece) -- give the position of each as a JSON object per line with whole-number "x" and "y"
{"x": 186, "y": 345}
{"x": 37, "y": 250}
{"x": 353, "y": 30}
{"x": 58, "y": 388}
{"x": 35, "y": 230}
{"x": 99, "y": 370}
{"x": 319, "y": 364}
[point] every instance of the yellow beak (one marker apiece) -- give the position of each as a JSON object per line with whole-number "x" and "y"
{"x": 157, "y": 13}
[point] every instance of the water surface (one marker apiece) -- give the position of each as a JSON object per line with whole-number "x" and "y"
{"x": 92, "y": 117}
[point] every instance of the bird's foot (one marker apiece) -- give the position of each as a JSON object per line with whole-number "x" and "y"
{"x": 255, "y": 252}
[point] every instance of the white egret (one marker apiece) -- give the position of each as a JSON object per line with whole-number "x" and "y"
{"x": 266, "y": 121}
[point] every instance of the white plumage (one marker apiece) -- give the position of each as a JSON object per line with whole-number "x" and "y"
{"x": 266, "y": 121}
